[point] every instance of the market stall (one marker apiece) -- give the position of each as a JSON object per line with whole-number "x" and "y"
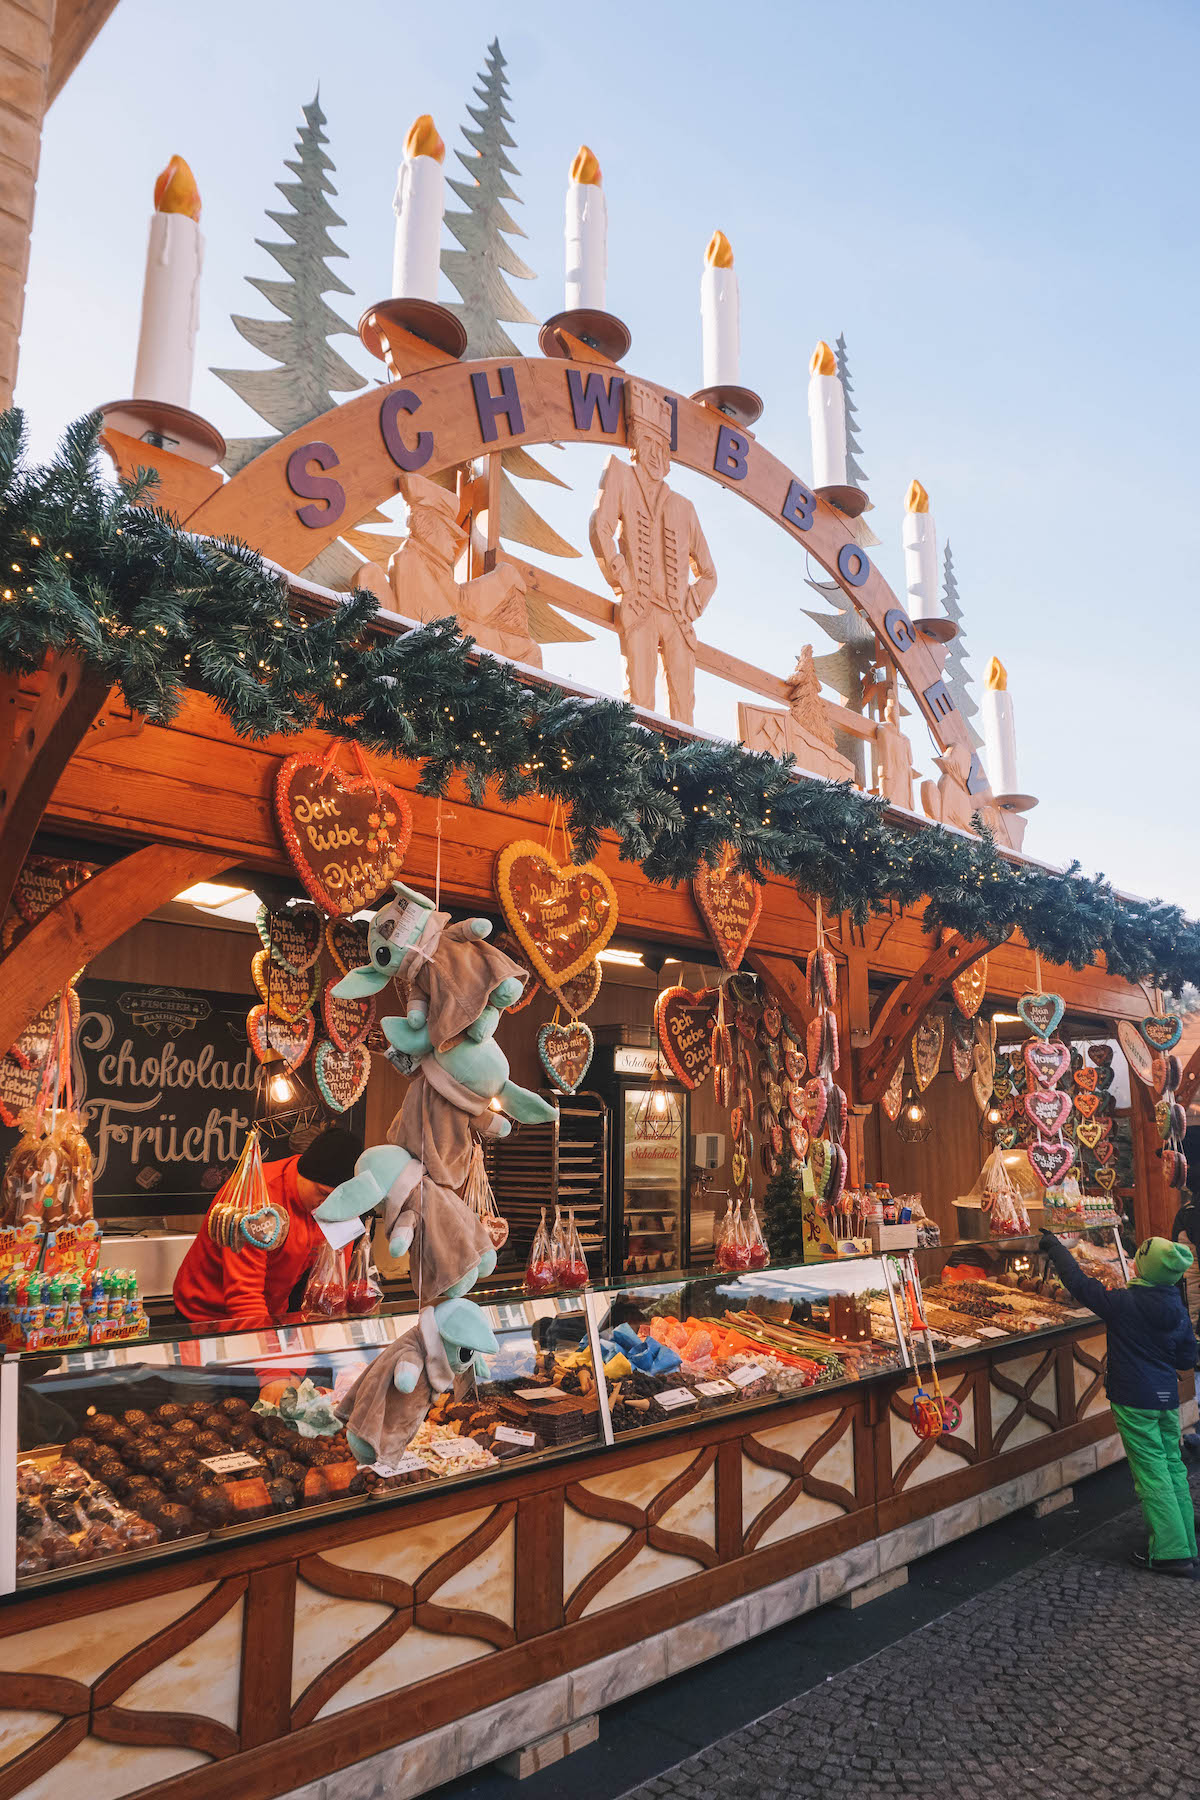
{"x": 711, "y": 1102}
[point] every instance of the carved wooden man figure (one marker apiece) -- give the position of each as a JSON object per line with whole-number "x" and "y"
{"x": 648, "y": 541}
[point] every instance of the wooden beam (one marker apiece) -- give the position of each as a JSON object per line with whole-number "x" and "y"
{"x": 91, "y": 918}
{"x": 65, "y": 711}
{"x": 784, "y": 981}
{"x": 76, "y": 23}
{"x": 876, "y": 1062}
{"x": 1185, "y": 1092}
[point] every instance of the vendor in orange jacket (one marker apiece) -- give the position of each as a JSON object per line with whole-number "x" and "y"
{"x": 248, "y": 1288}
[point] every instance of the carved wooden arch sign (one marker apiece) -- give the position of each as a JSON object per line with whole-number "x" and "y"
{"x": 296, "y": 497}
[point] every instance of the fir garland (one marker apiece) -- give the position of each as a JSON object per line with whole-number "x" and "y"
{"x": 87, "y": 566}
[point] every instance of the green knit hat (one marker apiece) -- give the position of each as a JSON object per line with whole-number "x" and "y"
{"x": 1160, "y": 1262}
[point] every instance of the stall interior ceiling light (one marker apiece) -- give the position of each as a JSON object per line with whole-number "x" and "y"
{"x": 210, "y": 893}
{"x": 628, "y": 959}
{"x": 281, "y": 1089}
{"x": 1006, "y": 1018}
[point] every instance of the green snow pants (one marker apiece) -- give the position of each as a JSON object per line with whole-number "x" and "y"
{"x": 1151, "y": 1441}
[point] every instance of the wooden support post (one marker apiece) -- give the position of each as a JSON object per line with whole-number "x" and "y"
{"x": 90, "y": 918}
{"x": 1154, "y": 1203}
{"x": 44, "y": 744}
{"x": 492, "y": 551}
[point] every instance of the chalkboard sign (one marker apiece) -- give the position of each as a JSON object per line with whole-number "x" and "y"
{"x": 166, "y": 1083}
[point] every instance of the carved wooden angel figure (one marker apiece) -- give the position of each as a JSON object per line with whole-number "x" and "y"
{"x": 893, "y": 758}
{"x": 420, "y": 582}
{"x": 949, "y": 801}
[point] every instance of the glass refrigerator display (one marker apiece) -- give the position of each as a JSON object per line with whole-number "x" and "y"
{"x": 650, "y": 1168}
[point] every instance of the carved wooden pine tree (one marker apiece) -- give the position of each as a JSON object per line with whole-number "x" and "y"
{"x": 478, "y": 271}
{"x": 804, "y": 700}
{"x": 848, "y": 668}
{"x": 956, "y": 674}
{"x": 310, "y": 371}
{"x": 854, "y": 469}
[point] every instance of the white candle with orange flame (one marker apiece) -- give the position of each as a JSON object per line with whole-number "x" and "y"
{"x": 999, "y": 731}
{"x": 166, "y": 351}
{"x": 720, "y": 321}
{"x": 418, "y": 204}
{"x": 920, "y": 556}
{"x": 827, "y": 419}
{"x": 587, "y": 234}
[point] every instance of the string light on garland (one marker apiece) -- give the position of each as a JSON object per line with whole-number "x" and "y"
{"x": 159, "y": 613}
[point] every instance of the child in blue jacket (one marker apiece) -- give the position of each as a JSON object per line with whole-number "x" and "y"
{"x": 1150, "y": 1337}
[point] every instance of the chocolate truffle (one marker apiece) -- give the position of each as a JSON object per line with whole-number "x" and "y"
{"x": 207, "y": 1443}
{"x": 283, "y": 1494}
{"x": 174, "y": 1520}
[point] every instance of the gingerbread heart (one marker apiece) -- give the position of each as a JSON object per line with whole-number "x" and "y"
{"x": 730, "y": 903}
{"x": 1002, "y": 1087}
{"x": 821, "y": 974}
{"x": 346, "y": 941}
{"x": 962, "y": 1046}
{"x": 981, "y": 1087}
{"x": 341, "y": 1074}
{"x": 1086, "y": 1079}
{"x": 37, "y": 1039}
{"x": 580, "y": 991}
{"x": 1105, "y": 1152}
{"x": 969, "y": 987}
{"x": 1174, "y": 1072}
{"x": 1101, "y": 1055}
{"x": 506, "y": 942}
{"x": 837, "y": 1174}
{"x": 1162, "y": 1031}
{"x": 684, "y": 1021}
{"x": 1047, "y": 1108}
{"x": 563, "y": 913}
{"x": 777, "y": 1139}
{"x": 20, "y": 1085}
{"x": 820, "y": 1161}
{"x": 773, "y": 1056}
{"x": 1090, "y": 1132}
{"x": 346, "y": 834}
{"x": 1006, "y": 1136}
{"x": 1138, "y": 1053}
{"x": 293, "y": 936}
{"x": 893, "y": 1094}
{"x": 348, "y": 1022}
{"x": 272, "y": 1038}
{"x": 1106, "y": 1077}
{"x": 927, "y": 1041}
{"x": 1050, "y": 1162}
{"x": 795, "y": 1064}
{"x": 772, "y": 1019}
{"x": 1105, "y": 1179}
{"x": 738, "y": 1168}
{"x": 1047, "y": 1063}
{"x": 566, "y": 1053}
{"x": 775, "y": 1097}
{"x": 43, "y": 881}
{"x": 769, "y": 1161}
{"x": 837, "y": 1112}
{"x": 815, "y": 1104}
{"x": 288, "y": 994}
{"x": 799, "y": 1140}
{"x": 264, "y": 1229}
{"x": 1087, "y": 1105}
{"x": 1041, "y": 1012}
{"x": 1160, "y": 1072}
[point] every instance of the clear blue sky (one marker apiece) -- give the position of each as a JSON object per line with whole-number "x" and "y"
{"x": 995, "y": 204}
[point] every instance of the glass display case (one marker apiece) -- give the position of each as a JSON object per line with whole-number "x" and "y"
{"x": 143, "y": 1450}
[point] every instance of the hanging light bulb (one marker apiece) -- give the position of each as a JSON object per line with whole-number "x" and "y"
{"x": 660, "y": 1100}
{"x": 281, "y": 1089}
{"x": 993, "y": 1115}
{"x": 913, "y": 1127}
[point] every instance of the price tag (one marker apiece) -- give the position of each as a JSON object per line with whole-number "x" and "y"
{"x": 454, "y": 1449}
{"x": 673, "y": 1397}
{"x": 235, "y": 1462}
{"x": 1080, "y": 1312}
{"x": 743, "y": 1376}
{"x": 715, "y": 1389}
{"x": 546, "y": 1393}
{"x": 342, "y": 1233}
{"x": 991, "y": 1331}
{"x": 408, "y": 1465}
{"x": 1037, "y": 1319}
{"x": 508, "y": 1434}
{"x": 962, "y": 1343}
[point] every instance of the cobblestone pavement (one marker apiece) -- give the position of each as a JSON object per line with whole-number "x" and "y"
{"x": 1073, "y": 1680}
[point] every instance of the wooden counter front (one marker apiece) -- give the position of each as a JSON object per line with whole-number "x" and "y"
{"x": 239, "y": 1672}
